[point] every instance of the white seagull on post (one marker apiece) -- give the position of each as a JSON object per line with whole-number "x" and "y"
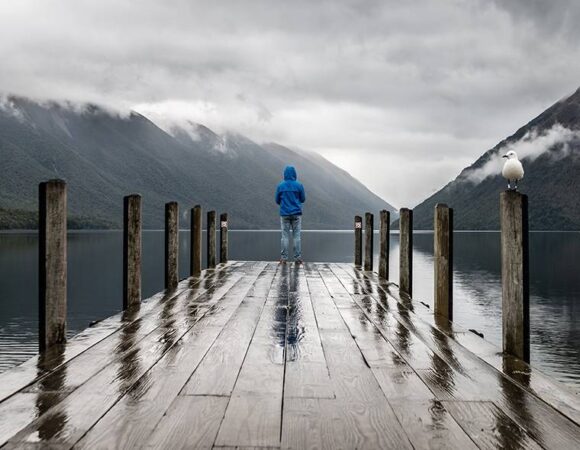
{"x": 512, "y": 169}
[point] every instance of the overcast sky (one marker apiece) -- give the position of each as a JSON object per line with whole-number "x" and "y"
{"x": 403, "y": 95}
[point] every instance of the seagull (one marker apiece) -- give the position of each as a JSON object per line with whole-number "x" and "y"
{"x": 512, "y": 169}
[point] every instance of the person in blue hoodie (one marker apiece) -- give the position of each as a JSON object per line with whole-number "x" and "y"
{"x": 290, "y": 195}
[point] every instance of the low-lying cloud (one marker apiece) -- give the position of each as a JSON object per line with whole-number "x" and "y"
{"x": 555, "y": 142}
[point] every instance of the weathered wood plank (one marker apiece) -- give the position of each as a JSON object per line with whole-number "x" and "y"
{"x": 254, "y": 414}
{"x": 95, "y": 397}
{"x": 443, "y": 261}
{"x": 190, "y": 422}
{"x": 429, "y": 425}
{"x": 489, "y": 427}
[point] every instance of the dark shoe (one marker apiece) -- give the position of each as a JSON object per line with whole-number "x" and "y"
{"x": 298, "y": 262}
{"x": 283, "y": 261}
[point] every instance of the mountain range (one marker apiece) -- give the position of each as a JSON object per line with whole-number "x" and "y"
{"x": 104, "y": 156}
{"x": 549, "y": 148}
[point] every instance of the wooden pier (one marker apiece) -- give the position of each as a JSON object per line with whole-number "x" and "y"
{"x": 256, "y": 354}
{"x": 249, "y": 354}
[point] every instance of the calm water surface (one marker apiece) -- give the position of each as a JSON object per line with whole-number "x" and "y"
{"x": 95, "y": 280}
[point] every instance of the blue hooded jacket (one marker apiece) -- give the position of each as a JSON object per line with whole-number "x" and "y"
{"x": 290, "y": 194}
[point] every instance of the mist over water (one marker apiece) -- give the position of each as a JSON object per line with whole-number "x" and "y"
{"x": 95, "y": 280}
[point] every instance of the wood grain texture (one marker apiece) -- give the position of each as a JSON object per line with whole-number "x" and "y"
{"x": 515, "y": 274}
{"x": 369, "y": 241}
{"x": 131, "y": 251}
{"x": 190, "y": 422}
{"x": 195, "y": 241}
{"x": 210, "y": 241}
{"x": 52, "y": 263}
{"x": 443, "y": 261}
{"x": 489, "y": 427}
{"x": 358, "y": 250}
{"x": 384, "y": 243}
{"x": 171, "y": 245}
{"x": 406, "y": 250}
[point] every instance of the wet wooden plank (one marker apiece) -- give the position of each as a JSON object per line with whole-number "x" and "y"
{"x": 331, "y": 424}
{"x": 489, "y": 427}
{"x": 190, "y": 422}
{"x": 252, "y": 420}
{"x": 457, "y": 374}
{"x": 149, "y": 398}
{"x": 254, "y": 414}
{"x": 400, "y": 384}
{"x": 94, "y": 398}
{"x": 306, "y": 370}
{"x": 429, "y": 425}
{"x": 219, "y": 369}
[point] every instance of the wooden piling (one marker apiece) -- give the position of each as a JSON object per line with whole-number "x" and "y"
{"x": 131, "y": 251}
{"x": 406, "y": 250}
{"x": 223, "y": 238}
{"x": 384, "y": 236}
{"x": 515, "y": 274}
{"x": 369, "y": 241}
{"x": 195, "y": 242}
{"x": 358, "y": 241}
{"x": 52, "y": 263}
{"x": 443, "y": 260}
{"x": 171, "y": 245}
{"x": 211, "y": 244}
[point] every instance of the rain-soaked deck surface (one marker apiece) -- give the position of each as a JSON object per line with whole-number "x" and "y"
{"x": 259, "y": 355}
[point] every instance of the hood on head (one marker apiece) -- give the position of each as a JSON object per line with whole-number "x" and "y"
{"x": 289, "y": 173}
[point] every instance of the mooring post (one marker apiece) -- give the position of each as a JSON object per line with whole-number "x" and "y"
{"x": 223, "y": 238}
{"x": 515, "y": 274}
{"x": 171, "y": 245}
{"x": 406, "y": 250}
{"x": 358, "y": 241}
{"x": 211, "y": 239}
{"x": 52, "y": 263}
{"x": 195, "y": 242}
{"x": 131, "y": 251}
{"x": 384, "y": 236}
{"x": 369, "y": 241}
{"x": 443, "y": 252}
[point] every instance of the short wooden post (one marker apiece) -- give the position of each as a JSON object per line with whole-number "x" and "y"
{"x": 369, "y": 241}
{"x": 131, "y": 251}
{"x": 515, "y": 274}
{"x": 358, "y": 241}
{"x": 384, "y": 236}
{"x": 171, "y": 245}
{"x": 211, "y": 244}
{"x": 443, "y": 261}
{"x": 52, "y": 263}
{"x": 223, "y": 238}
{"x": 406, "y": 250}
{"x": 195, "y": 242}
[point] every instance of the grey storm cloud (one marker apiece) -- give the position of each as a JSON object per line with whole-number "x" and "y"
{"x": 401, "y": 94}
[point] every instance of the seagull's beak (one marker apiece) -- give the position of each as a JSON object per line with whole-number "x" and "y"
{"x": 504, "y": 156}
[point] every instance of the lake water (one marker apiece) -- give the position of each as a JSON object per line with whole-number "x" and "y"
{"x": 95, "y": 280}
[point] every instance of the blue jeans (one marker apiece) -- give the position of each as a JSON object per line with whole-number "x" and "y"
{"x": 291, "y": 224}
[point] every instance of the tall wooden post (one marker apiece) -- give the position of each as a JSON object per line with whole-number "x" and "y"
{"x": 369, "y": 241}
{"x": 195, "y": 242}
{"x": 443, "y": 252}
{"x": 515, "y": 274}
{"x": 384, "y": 236}
{"x": 52, "y": 267}
{"x": 223, "y": 238}
{"x": 406, "y": 250}
{"x": 131, "y": 251}
{"x": 358, "y": 241}
{"x": 211, "y": 239}
{"x": 171, "y": 245}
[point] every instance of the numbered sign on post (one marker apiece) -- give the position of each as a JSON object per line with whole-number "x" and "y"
{"x": 358, "y": 224}
{"x": 224, "y": 224}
